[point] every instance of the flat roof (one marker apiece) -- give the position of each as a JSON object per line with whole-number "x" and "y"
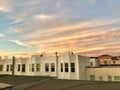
{"x": 55, "y": 84}
{"x": 20, "y": 80}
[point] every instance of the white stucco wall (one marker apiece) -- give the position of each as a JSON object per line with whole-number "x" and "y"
{"x": 67, "y": 58}
{"x": 79, "y": 61}
{"x": 83, "y": 63}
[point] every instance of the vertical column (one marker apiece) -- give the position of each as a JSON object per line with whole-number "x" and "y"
{"x": 13, "y": 66}
{"x": 56, "y": 54}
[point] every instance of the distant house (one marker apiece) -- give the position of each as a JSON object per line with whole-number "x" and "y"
{"x": 109, "y": 69}
{"x": 107, "y": 60}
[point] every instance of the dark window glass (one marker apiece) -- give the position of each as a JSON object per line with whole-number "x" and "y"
{"x": 7, "y": 68}
{"x": 37, "y": 67}
{"x": 11, "y": 67}
{"x": 46, "y": 67}
{"x": 66, "y": 67}
{"x": 61, "y": 67}
{"x": 18, "y": 67}
{"x": 105, "y": 62}
{"x": 52, "y": 67}
{"x": 23, "y": 67}
{"x": 114, "y": 62}
{"x": 33, "y": 67}
{"x": 72, "y": 67}
{"x": 1, "y": 67}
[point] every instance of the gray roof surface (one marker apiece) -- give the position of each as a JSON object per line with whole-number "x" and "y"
{"x": 45, "y": 83}
{"x": 19, "y": 80}
{"x": 55, "y": 84}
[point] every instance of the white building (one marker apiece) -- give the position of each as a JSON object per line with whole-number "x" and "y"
{"x": 62, "y": 66}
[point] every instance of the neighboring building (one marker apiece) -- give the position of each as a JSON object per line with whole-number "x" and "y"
{"x": 107, "y": 60}
{"x": 109, "y": 69}
{"x": 62, "y": 66}
{"x": 103, "y": 74}
{"x": 94, "y": 61}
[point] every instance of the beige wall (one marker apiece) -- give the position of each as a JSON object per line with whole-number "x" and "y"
{"x": 104, "y": 72}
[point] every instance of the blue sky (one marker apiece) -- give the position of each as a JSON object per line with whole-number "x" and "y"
{"x": 38, "y": 26}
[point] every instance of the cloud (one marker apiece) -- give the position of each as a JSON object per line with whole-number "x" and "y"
{"x": 88, "y": 36}
{"x": 20, "y": 43}
{"x": 45, "y": 17}
{"x": 2, "y": 35}
{"x": 3, "y": 8}
{"x": 16, "y": 54}
{"x": 56, "y": 25}
{"x": 5, "y": 5}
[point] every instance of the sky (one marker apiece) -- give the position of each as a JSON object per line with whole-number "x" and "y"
{"x": 88, "y": 27}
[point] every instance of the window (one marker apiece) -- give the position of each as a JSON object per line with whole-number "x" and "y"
{"x": 23, "y": 67}
{"x": 7, "y": 68}
{"x": 33, "y": 67}
{"x": 117, "y": 78}
{"x": 18, "y": 67}
{"x": 61, "y": 67}
{"x": 92, "y": 77}
{"x": 66, "y": 67}
{"x": 1, "y": 67}
{"x": 72, "y": 67}
{"x": 11, "y": 67}
{"x": 101, "y": 78}
{"x": 47, "y": 67}
{"x": 109, "y": 78}
{"x": 114, "y": 62}
{"x": 105, "y": 62}
{"x": 91, "y": 63}
{"x": 52, "y": 67}
{"x": 37, "y": 67}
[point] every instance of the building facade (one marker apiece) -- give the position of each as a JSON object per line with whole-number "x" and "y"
{"x": 106, "y": 60}
{"x": 64, "y": 66}
{"x": 61, "y": 66}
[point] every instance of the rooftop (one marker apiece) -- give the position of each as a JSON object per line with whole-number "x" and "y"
{"x": 45, "y": 83}
{"x": 19, "y": 81}
{"x": 55, "y": 84}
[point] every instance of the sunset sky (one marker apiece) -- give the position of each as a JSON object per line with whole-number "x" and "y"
{"x": 90, "y": 27}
